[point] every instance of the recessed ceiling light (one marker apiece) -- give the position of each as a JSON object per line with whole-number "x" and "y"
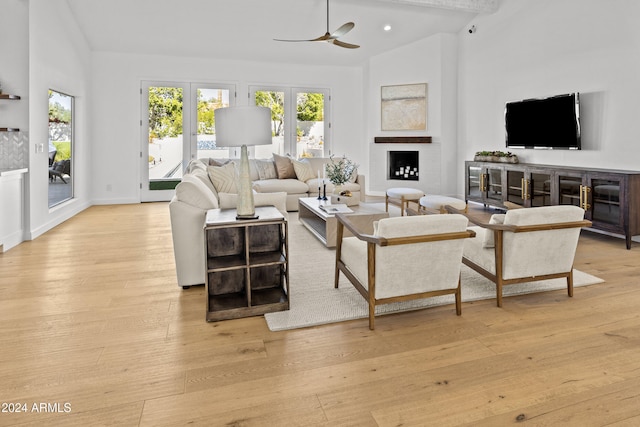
{"x": 387, "y": 27}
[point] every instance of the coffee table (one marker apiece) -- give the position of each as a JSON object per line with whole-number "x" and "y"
{"x": 323, "y": 225}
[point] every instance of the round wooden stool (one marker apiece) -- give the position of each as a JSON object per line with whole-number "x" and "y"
{"x": 436, "y": 204}
{"x": 400, "y": 196}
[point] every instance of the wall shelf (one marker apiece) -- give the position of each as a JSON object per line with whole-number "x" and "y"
{"x": 402, "y": 140}
{"x": 11, "y": 97}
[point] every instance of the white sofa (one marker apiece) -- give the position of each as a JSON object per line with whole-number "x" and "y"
{"x": 297, "y": 187}
{"x": 197, "y": 193}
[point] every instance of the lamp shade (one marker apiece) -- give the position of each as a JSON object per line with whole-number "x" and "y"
{"x": 246, "y": 125}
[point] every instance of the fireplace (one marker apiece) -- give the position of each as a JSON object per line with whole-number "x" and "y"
{"x": 403, "y": 165}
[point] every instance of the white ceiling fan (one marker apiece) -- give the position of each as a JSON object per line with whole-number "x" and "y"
{"x": 331, "y": 37}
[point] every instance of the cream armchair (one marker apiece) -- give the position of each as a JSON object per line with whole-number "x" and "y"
{"x": 524, "y": 245}
{"x": 405, "y": 258}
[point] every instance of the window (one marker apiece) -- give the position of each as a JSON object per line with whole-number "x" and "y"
{"x": 60, "y": 147}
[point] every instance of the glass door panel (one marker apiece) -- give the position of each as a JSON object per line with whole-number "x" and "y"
{"x": 539, "y": 189}
{"x": 310, "y": 124}
{"x": 516, "y": 187}
{"x": 570, "y": 190}
{"x": 605, "y": 201}
{"x": 473, "y": 185}
{"x": 165, "y": 137}
{"x": 275, "y": 100}
{"x": 494, "y": 184}
{"x": 207, "y": 101}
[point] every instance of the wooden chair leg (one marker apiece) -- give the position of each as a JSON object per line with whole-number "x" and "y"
{"x": 371, "y": 283}
{"x": 458, "y": 299}
{"x": 372, "y": 315}
{"x": 386, "y": 203}
{"x": 570, "y": 283}
{"x": 339, "y": 234}
{"x": 499, "y": 293}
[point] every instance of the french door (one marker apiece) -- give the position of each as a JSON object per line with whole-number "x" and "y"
{"x": 299, "y": 118}
{"x": 177, "y": 125}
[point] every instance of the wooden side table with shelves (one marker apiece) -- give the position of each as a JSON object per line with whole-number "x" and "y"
{"x": 247, "y": 263}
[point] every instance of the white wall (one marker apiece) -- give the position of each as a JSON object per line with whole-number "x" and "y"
{"x": 548, "y": 47}
{"x": 116, "y": 111}
{"x": 59, "y": 59}
{"x": 14, "y": 76}
{"x": 432, "y": 61}
{"x": 14, "y": 66}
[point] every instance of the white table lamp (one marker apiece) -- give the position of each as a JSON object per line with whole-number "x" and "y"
{"x": 239, "y": 127}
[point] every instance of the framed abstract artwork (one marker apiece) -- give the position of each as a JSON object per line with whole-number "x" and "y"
{"x": 404, "y": 107}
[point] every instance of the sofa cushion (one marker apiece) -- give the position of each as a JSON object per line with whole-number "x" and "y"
{"x": 194, "y": 192}
{"x": 266, "y": 169}
{"x": 284, "y": 167}
{"x": 289, "y": 186}
{"x": 303, "y": 170}
{"x": 224, "y": 177}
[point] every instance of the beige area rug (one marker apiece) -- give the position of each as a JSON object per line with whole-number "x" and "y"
{"x": 314, "y": 301}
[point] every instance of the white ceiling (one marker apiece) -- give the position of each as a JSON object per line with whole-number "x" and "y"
{"x": 245, "y": 29}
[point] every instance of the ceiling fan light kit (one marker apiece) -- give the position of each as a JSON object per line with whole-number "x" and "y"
{"x": 331, "y": 37}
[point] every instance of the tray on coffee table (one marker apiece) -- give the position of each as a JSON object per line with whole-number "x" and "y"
{"x": 323, "y": 225}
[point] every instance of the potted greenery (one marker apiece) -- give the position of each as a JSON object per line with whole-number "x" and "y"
{"x": 495, "y": 156}
{"x": 340, "y": 172}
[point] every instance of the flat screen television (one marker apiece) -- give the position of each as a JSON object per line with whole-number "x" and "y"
{"x": 551, "y": 123}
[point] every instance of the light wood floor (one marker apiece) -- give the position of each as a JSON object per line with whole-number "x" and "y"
{"x": 91, "y": 317}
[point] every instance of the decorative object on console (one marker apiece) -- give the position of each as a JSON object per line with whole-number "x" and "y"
{"x": 404, "y": 107}
{"x": 239, "y": 127}
{"x": 344, "y": 197}
{"x": 495, "y": 156}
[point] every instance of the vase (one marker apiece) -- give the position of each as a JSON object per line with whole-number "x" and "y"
{"x": 337, "y": 188}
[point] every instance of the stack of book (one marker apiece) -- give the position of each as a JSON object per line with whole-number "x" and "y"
{"x": 336, "y": 208}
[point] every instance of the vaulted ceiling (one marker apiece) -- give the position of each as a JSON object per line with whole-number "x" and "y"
{"x": 245, "y": 29}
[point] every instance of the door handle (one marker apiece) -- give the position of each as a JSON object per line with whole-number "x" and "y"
{"x": 584, "y": 197}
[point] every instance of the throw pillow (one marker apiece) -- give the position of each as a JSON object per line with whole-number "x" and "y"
{"x": 266, "y": 169}
{"x": 354, "y": 176}
{"x": 224, "y": 177}
{"x": 214, "y": 162}
{"x": 284, "y": 167}
{"x": 489, "y": 240}
{"x": 303, "y": 170}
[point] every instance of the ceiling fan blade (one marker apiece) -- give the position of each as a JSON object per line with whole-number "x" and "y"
{"x": 343, "y": 44}
{"x": 344, "y": 29}
{"x": 317, "y": 39}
